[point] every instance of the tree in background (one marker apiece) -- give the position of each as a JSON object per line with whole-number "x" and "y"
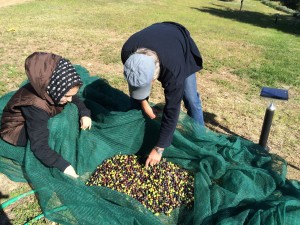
{"x": 292, "y": 4}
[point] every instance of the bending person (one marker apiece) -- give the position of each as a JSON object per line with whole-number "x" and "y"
{"x": 167, "y": 53}
{"x": 53, "y": 82}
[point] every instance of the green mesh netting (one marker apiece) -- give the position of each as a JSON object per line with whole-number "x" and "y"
{"x": 236, "y": 181}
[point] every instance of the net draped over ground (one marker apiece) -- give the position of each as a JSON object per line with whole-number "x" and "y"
{"x": 236, "y": 181}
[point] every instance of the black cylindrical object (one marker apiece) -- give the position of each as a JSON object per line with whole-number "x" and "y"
{"x": 266, "y": 126}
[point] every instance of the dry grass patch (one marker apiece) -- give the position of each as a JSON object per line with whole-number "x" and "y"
{"x": 233, "y": 106}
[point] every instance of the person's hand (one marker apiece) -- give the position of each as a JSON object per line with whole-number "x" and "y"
{"x": 153, "y": 158}
{"x": 147, "y": 109}
{"x": 85, "y": 123}
{"x": 71, "y": 172}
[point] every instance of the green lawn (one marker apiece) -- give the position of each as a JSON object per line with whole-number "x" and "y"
{"x": 91, "y": 33}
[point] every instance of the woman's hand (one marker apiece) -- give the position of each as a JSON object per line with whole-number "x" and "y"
{"x": 85, "y": 123}
{"x": 71, "y": 172}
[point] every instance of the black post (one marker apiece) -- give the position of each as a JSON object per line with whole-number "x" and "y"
{"x": 276, "y": 17}
{"x": 266, "y": 126}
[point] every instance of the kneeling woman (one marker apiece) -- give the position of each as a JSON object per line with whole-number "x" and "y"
{"x": 53, "y": 82}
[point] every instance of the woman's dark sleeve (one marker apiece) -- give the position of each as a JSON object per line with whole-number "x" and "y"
{"x": 38, "y": 134}
{"x": 82, "y": 109}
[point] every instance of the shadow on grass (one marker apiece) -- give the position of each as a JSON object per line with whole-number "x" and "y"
{"x": 284, "y": 23}
{"x": 212, "y": 123}
{"x": 3, "y": 217}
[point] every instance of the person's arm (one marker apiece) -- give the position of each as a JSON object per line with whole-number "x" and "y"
{"x": 173, "y": 97}
{"x": 84, "y": 113}
{"x": 148, "y": 109}
{"x": 38, "y": 134}
{"x": 169, "y": 121}
{"x": 82, "y": 109}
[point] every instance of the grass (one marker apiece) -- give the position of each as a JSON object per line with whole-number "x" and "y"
{"x": 242, "y": 51}
{"x": 23, "y": 210}
{"x": 93, "y": 33}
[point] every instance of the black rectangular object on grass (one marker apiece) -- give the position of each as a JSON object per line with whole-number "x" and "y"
{"x": 275, "y": 93}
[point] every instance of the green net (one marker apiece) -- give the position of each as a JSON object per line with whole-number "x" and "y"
{"x": 235, "y": 180}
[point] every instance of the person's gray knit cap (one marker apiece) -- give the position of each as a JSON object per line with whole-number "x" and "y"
{"x": 139, "y": 71}
{"x": 63, "y": 78}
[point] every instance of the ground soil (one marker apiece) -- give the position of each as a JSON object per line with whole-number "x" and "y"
{"x": 4, "y": 3}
